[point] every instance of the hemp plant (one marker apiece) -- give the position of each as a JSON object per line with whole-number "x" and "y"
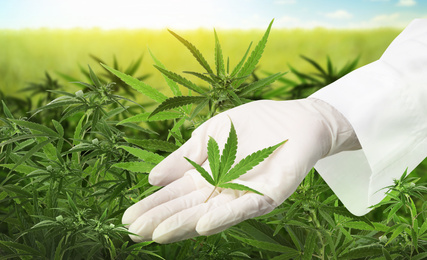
{"x": 226, "y": 88}
{"x": 307, "y": 83}
{"x": 222, "y": 173}
{"x": 108, "y": 77}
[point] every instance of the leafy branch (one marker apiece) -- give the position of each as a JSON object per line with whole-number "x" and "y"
{"x": 225, "y": 89}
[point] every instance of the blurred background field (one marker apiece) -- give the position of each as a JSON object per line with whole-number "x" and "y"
{"x": 25, "y": 55}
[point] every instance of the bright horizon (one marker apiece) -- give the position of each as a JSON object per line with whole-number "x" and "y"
{"x": 221, "y": 14}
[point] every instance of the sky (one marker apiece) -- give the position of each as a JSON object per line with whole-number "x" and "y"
{"x": 220, "y": 14}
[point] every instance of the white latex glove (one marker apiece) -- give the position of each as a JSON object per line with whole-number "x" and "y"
{"x": 314, "y": 130}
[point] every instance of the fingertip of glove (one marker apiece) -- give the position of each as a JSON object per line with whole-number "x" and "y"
{"x": 160, "y": 177}
{"x": 163, "y": 174}
{"x": 127, "y": 218}
{"x": 166, "y": 235}
{"x": 153, "y": 179}
{"x": 136, "y": 239}
{"x": 204, "y": 227}
{"x": 160, "y": 237}
{"x": 142, "y": 229}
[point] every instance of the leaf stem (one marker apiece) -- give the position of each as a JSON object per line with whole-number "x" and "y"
{"x": 210, "y": 195}
{"x": 213, "y": 109}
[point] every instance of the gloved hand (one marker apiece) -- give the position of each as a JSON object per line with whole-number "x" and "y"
{"x": 314, "y": 129}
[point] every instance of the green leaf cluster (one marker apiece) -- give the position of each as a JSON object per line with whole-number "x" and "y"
{"x": 221, "y": 165}
{"x": 306, "y": 83}
{"x": 312, "y": 223}
{"x": 65, "y": 185}
{"x": 226, "y": 87}
{"x": 107, "y": 76}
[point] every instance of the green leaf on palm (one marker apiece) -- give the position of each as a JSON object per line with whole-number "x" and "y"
{"x": 249, "y": 162}
{"x": 236, "y": 186}
{"x": 213, "y": 157}
{"x": 220, "y": 165}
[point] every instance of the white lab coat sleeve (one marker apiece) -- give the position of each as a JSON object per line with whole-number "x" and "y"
{"x": 386, "y": 103}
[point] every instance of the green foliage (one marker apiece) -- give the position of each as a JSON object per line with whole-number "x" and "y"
{"x": 225, "y": 89}
{"x": 312, "y": 223}
{"x": 306, "y": 83}
{"x": 71, "y": 168}
{"x": 108, "y": 76}
{"x": 309, "y": 83}
{"x": 63, "y": 191}
{"x": 220, "y": 165}
{"x": 43, "y": 88}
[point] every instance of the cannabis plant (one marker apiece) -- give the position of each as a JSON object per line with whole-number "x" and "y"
{"x": 220, "y": 165}
{"x": 67, "y": 179}
{"x": 43, "y": 88}
{"x": 313, "y": 224}
{"x": 306, "y": 83}
{"x": 108, "y": 77}
{"x": 63, "y": 192}
{"x": 225, "y": 89}
{"x": 17, "y": 105}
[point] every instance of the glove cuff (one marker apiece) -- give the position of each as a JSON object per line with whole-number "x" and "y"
{"x": 343, "y": 136}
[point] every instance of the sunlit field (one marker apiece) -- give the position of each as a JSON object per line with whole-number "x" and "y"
{"x": 26, "y": 54}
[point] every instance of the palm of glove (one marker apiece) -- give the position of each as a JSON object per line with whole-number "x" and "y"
{"x": 178, "y": 211}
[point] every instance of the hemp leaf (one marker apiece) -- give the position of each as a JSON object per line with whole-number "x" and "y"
{"x": 220, "y": 166}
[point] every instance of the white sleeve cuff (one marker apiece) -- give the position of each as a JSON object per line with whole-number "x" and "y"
{"x": 386, "y": 103}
